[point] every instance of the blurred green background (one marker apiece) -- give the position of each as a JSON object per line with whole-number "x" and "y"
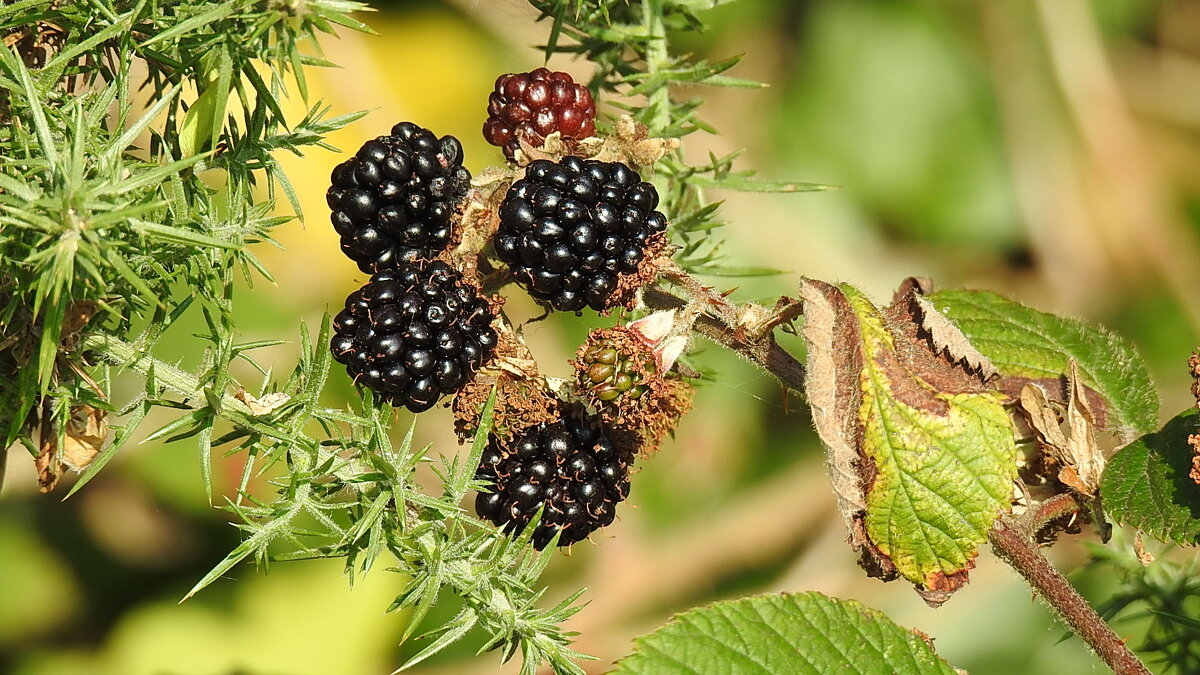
{"x": 1048, "y": 150}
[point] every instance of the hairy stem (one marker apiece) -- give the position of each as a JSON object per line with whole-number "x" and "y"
{"x": 1017, "y": 549}
{"x": 764, "y": 352}
{"x": 713, "y": 303}
{"x": 1052, "y": 509}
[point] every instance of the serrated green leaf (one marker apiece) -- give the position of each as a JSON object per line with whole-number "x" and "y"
{"x": 791, "y": 634}
{"x": 1021, "y": 341}
{"x": 1147, "y": 483}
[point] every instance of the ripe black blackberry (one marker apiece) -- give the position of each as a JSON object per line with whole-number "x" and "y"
{"x": 534, "y": 105}
{"x": 571, "y": 230}
{"x": 575, "y": 467}
{"x": 394, "y": 201}
{"x": 414, "y": 334}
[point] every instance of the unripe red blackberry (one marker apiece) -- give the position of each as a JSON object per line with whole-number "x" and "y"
{"x": 534, "y": 105}
{"x": 575, "y": 467}
{"x": 573, "y": 230}
{"x": 394, "y": 201}
{"x": 414, "y": 334}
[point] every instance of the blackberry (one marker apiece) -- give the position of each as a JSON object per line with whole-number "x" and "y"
{"x": 624, "y": 376}
{"x": 414, "y": 334}
{"x": 534, "y": 105}
{"x": 610, "y": 368}
{"x": 572, "y": 230}
{"x": 574, "y": 466}
{"x": 394, "y": 201}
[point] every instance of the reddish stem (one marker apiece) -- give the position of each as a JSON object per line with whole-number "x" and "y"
{"x": 1018, "y": 550}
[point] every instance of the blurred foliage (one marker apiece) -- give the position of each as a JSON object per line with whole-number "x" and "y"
{"x": 961, "y": 152}
{"x": 1162, "y": 593}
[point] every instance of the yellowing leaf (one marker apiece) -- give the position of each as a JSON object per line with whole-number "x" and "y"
{"x": 922, "y": 450}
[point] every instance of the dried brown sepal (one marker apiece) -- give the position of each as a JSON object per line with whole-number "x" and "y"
{"x": 1074, "y": 450}
{"x": 554, "y": 147}
{"x": 84, "y": 436}
{"x": 1139, "y": 550}
{"x": 266, "y": 405}
{"x": 1194, "y": 474}
{"x": 660, "y": 421}
{"x": 630, "y": 142}
{"x": 1194, "y": 371}
{"x": 479, "y": 213}
{"x": 522, "y": 398}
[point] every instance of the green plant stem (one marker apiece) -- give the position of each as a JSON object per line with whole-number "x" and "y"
{"x": 127, "y": 355}
{"x": 1018, "y": 549}
{"x": 658, "y": 58}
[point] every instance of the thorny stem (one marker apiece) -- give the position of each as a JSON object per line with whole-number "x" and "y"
{"x": 709, "y": 301}
{"x": 765, "y": 352}
{"x": 127, "y": 355}
{"x": 1017, "y": 548}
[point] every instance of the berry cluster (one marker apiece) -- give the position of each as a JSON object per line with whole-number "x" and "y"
{"x": 414, "y": 334}
{"x": 607, "y": 374}
{"x": 575, "y": 233}
{"x": 570, "y": 229}
{"x": 536, "y": 104}
{"x": 573, "y": 467}
{"x": 394, "y": 201}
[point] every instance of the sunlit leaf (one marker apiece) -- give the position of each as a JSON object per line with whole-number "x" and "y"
{"x": 788, "y": 634}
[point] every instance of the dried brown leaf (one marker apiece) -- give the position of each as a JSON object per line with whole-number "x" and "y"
{"x": 834, "y": 361}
